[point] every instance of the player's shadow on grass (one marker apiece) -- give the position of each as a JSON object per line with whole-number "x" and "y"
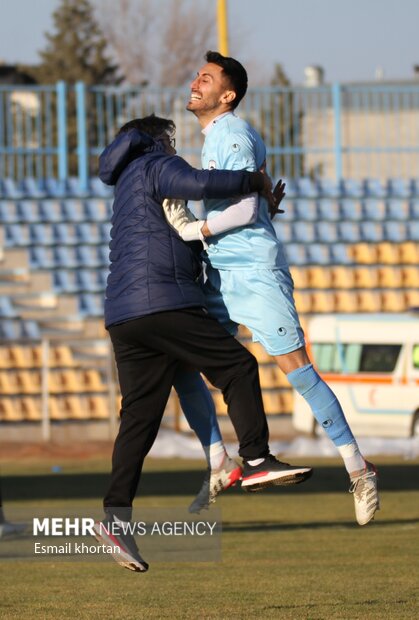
{"x": 403, "y": 477}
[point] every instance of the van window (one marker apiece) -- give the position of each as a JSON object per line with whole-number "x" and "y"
{"x": 379, "y": 357}
{"x": 355, "y": 357}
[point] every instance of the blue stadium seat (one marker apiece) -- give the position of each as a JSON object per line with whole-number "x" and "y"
{"x": 64, "y": 234}
{"x": 305, "y": 210}
{"x": 286, "y": 205}
{"x": 318, "y": 254}
{"x": 395, "y": 232}
{"x": 348, "y": 232}
{"x": 351, "y": 188}
{"x": 414, "y": 188}
{"x": 291, "y": 188}
{"x": 63, "y": 281}
{"x": 54, "y": 188}
{"x": 27, "y": 211}
{"x": 339, "y": 254}
{"x": 398, "y": 188}
{"x": 17, "y": 329}
{"x": 7, "y": 310}
{"x": 414, "y": 209}
{"x": 329, "y": 188}
{"x": 41, "y": 234}
{"x": 351, "y": 209}
{"x": 103, "y": 254}
{"x": 105, "y": 232}
{"x": 303, "y": 232}
{"x": 96, "y": 210}
{"x": 374, "y": 188}
{"x": 397, "y": 209}
{"x": 414, "y": 231}
{"x": 307, "y": 188}
{"x": 89, "y": 281}
{"x": 50, "y": 211}
{"x": 16, "y": 235}
{"x": 374, "y": 209}
{"x": 371, "y": 231}
{"x": 30, "y": 188}
{"x": 8, "y": 213}
{"x": 326, "y": 232}
{"x": 328, "y": 210}
{"x": 99, "y": 189}
{"x": 66, "y": 257}
{"x": 86, "y": 256}
{"x": 30, "y": 329}
{"x": 9, "y": 189}
{"x": 72, "y": 210}
{"x": 283, "y": 230}
{"x": 296, "y": 253}
{"x": 73, "y": 188}
{"x": 88, "y": 233}
{"x": 91, "y": 304}
{"x": 40, "y": 258}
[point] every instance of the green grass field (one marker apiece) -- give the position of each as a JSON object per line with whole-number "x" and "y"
{"x": 292, "y": 553}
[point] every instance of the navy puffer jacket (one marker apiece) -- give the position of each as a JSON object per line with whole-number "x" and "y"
{"x": 151, "y": 268}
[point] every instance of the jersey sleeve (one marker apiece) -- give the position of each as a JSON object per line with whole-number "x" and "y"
{"x": 237, "y": 153}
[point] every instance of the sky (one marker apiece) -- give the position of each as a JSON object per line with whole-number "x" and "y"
{"x": 350, "y": 39}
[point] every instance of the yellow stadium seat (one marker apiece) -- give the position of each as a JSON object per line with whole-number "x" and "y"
{"x": 365, "y": 277}
{"x": 272, "y": 401}
{"x": 346, "y": 301}
{"x": 303, "y": 302}
{"x": 287, "y": 401}
{"x": 300, "y": 277}
{"x": 74, "y": 408}
{"x": 28, "y": 382}
{"x": 35, "y": 357}
{"x": 411, "y": 298}
{"x": 17, "y": 357}
{"x": 8, "y": 383}
{"x": 319, "y": 277}
{"x": 389, "y": 277}
{"x": 322, "y": 301}
{"x": 259, "y": 352}
{"x": 388, "y": 253}
{"x": 363, "y": 253}
{"x": 30, "y": 409}
{"x": 410, "y": 276}
{"x": 392, "y": 301}
{"x": 97, "y": 407}
{"x": 368, "y": 301}
{"x": 342, "y": 277}
{"x": 8, "y": 411}
{"x": 55, "y": 409}
{"x": 91, "y": 381}
{"x": 409, "y": 253}
{"x": 61, "y": 356}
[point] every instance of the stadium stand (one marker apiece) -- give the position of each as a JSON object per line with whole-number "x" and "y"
{"x": 352, "y": 247}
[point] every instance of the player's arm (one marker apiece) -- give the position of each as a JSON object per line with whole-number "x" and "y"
{"x": 241, "y": 213}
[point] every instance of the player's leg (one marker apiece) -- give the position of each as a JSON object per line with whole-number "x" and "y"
{"x": 199, "y": 409}
{"x": 270, "y": 314}
{"x": 145, "y": 378}
{"x": 231, "y": 368}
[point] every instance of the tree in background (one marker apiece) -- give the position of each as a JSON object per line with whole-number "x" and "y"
{"x": 157, "y": 43}
{"x": 76, "y": 51}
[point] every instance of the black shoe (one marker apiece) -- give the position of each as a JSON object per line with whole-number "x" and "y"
{"x": 272, "y": 472}
{"x": 116, "y": 534}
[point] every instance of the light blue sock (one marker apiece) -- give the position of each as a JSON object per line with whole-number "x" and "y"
{"x": 324, "y": 404}
{"x": 198, "y": 406}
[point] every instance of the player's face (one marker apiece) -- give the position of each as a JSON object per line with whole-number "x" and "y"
{"x": 210, "y": 92}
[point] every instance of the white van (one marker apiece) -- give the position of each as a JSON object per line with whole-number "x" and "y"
{"x": 371, "y": 362}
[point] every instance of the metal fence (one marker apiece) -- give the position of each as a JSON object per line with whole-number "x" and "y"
{"x": 335, "y": 131}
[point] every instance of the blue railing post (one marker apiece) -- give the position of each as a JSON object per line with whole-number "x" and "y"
{"x": 337, "y": 115}
{"x": 82, "y": 146}
{"x": 61, "y": 90}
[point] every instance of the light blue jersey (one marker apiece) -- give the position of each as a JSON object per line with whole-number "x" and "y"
{"x": 232, "y": 144}
{"x": 248, "y": 280}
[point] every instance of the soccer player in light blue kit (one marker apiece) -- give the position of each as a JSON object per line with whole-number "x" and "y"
{"x": 249, "y": 282}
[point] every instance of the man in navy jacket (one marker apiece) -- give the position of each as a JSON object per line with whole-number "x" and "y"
{"x": 156, "y": 317}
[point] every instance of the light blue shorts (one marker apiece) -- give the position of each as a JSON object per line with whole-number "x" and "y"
{"x": 260, "y": 299}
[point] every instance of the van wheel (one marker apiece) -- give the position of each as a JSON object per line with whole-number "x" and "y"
{"x": 414, "y": 432}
